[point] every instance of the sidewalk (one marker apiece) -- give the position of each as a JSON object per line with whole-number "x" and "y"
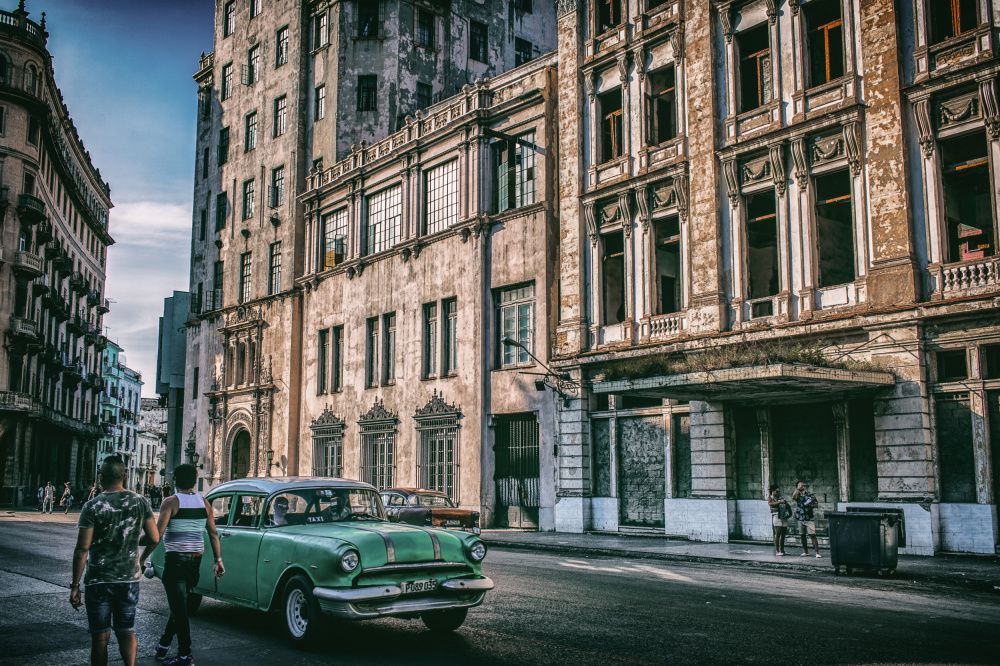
{"x": 982, "y": 572}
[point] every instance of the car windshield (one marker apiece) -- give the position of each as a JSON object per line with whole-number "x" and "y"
{"x": 323, "y": 505}
{"x": 427, "y": 499}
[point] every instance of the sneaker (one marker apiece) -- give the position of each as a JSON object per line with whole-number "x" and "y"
{"x": 161, "y": 652}
{"x": 779, "y": 554}
{"x": 803, "y": 554}
{"x": 180, "y": 661}
{"x": 818, "y": 555}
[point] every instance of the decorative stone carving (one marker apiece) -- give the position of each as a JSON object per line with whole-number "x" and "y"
{"x": 564, "y": 7}
{"x": 794, "y": 6}
{"x": 756, "y": 170}
{"x": 680, "y": 192}
{"x": 726, "y": 16}
{"x": 732, "y": 182}
{"x": 639, "y": 56}
{"x": 642, "y": 202}
{"x": 989, "y": 108}
{"x": 853, "y": 147}
{"x": 327, "y": 420}
{"x": 436, "y": 406}
{"x": 623, "y": 66}
{"x": 590, "y": 81}
{"x": 664, "y": 195}
{"x": 801, "y": 166}
{"x": 825, "y": 149}
{"x": 958, "y": 109}
{"x": 777, "y": 155}
{"x": 772, "y": 11}
{"x": 588, "y": 213}
{"x": 378, "y": 412}
{"x": 677, "y": 41}
{"x": 625, "y": 212}
{"x": 925, "y": 129}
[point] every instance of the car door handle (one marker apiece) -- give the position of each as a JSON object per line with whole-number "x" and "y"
{"x": 223, "y": 535}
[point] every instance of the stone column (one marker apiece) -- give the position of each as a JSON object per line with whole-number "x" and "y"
{"x": 842, "y": 423}
{"x": 712, "y": 481}
{"x": 573, "y": 476}
{"x": 980, "y": 431}
{"x": 764, "y": 425}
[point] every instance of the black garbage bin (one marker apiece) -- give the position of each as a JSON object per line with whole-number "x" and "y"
{"x": 900, "y": 519}
{"x": 863, "y": 540}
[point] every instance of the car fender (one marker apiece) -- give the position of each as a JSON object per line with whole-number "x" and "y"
{"x": 283, "y": 556}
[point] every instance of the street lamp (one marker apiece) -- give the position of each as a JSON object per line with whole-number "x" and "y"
{"x": 270, "y": 457}
{"x": 560, "y": 382}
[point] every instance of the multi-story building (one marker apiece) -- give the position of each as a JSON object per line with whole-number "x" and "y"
{"x": 152, "y": 438}
{"x": 748, "y": 177}
{"x": 54, "y": 238}
{"x": 291, "y": 87}
{"x": 170, "y": 366}
{"x": 120, "y": 412}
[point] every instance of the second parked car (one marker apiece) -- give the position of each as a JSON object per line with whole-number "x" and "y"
{"x": 427, "y": 508}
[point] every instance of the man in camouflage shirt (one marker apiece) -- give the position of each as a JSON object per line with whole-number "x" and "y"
{"x": 108, "y": 542}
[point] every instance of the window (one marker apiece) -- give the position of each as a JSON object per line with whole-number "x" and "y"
{"x": 609, "y": 15}
{"x": 229, "y": 25}
{"x": 328, "y": 450}
{"x": 369, "y": 21}
{"x": 668, "y": 264}
{"x": 217, "y": 283}
{"x": 194, "y": 382}
{"x": 253, "y": 66}
{"x": 515, "y": 315}
{"x": 3, "y": 118}
{"x": 277, "y": 186}
{"x": 990, "y": 355}
{"x": 438, "y": 459}
{"x": 522, "y": 5}
{"x": 274, "y": 269}
{"x": 220, "y": 509}
{"x": 613, "y": 277}
{"x": 514, "y": 173}
{"x": 280, "y": 115}
{"x": 442, "y": 197}
{"x": 449, "y": 359}
{"x": 825, "y": 40}
{"x": 430, "y": 339}
{"x": 610, "y": 105}
{"x": 425, "y": 28}
{"x": 33, "y": 131}
{"x": 950, "y": 18}
{"x": 281, "y": 47}
{"x": 322, "y": 358}
{"x": 28, "y": 187}
{"x": 835, "y": 229}
{"x": 320, "y": 109}
{"x": 204, "y": 163}
{"x": 478, "y": 41}
{"x": 250, "y": 137}
{"x": 227, "y": 81}
{"x": 366, "y": 93}
{"x": 968, "y": 211}
{"x": 661, "y": 106}
{"x": 254, "y": 8}
{"x": 321, "y": 31}
{"x": 522, "y": 51}
{"x": 762, "y": 250}
{"x": 384, "y": 220}
{"x": 248, "y": 199}
{"x": 221, "y": 210}
{"x": 337, "y": 372}
{"x": 423, "y": 95}
{"x": 378, "y": 452}
{"x": 371, "y": 352}
{"x": 755, "y": 67}
{"x": 203, "y": 224}
{"x": 223, "y": 146}
{"x": 952, "y": 365}
{"x": 334, "y": 240}
{"x": 245, "y": 277}
{"x": 389, "y": 348}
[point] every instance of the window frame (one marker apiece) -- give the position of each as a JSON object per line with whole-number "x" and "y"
{"x": 337, "y": 228}
{"x": 274, "y": 268}
{"x": 246, "y": 277}
{"x": 319, "y": 107}
{"x": 521, "y": 357}
{"x": 612, "y": 127}
{"x": 249, "y": 198}
{"x": 229, "y": 19}
{"x": 430, "y": 340}
{"x": 278, "y": 186}
{"x": 479, "y": 42}
{"x": 281, "y": 46}
{"x": 367, "y": 92}
{"x": 372, "y": 352}
{"x": 385, "y": 233}
{"x": 389, "y": 348}
{"x": 280, "y": 124}
{"x": 250, "y": 132}
{"x": 441, "y": 197}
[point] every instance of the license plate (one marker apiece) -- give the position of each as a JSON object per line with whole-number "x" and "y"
{"x": 453, "y": 523}
{"x": 416, "y": 586}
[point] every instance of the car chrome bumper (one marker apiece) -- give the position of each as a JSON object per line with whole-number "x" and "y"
{"x": 387, "y": 600}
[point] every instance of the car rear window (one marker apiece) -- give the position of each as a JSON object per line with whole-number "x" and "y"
{"x": 432, "y": 500}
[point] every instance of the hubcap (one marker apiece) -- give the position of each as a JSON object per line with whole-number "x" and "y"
{"x": 297, "y": 613}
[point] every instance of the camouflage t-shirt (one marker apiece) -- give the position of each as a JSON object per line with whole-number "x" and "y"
{"x": 117, "y": 520}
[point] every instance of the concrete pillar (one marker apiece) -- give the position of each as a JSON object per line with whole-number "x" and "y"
{"x": 713, "y": 509}
{"x": 764, "y": 424}
{"x": 842, "y": 423}
{"x": 980, "y": 431}
{"x": 573, "y": 473}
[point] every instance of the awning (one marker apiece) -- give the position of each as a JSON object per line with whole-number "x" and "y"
{"x": 756, "y": 384}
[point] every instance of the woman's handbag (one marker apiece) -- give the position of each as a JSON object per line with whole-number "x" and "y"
{"x": 784, "y": 511}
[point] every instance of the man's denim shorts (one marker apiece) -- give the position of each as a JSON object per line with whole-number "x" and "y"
{"x": 111, "y": 601}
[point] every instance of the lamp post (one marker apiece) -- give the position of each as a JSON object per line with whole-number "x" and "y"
{"x": 560, "y": 382}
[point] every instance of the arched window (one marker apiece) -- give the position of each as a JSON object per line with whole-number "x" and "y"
{"x": 4, "y": 70}
{"x": 31, "y": 79}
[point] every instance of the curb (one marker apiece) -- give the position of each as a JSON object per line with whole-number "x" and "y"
{"x": 960, "y": 581}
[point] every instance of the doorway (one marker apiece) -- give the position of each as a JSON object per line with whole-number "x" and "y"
{"x": 240, "y": 464}
{"x": 517, "y": 470}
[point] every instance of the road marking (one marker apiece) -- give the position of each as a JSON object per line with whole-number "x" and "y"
{"x": 627, "y": 568}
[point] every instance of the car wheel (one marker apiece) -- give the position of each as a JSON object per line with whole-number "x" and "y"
{"x": 193, "y": 603}
{"x": 444, "y": 620}
{"x": 302, "y": 615}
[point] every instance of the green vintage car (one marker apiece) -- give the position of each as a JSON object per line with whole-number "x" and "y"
{"x": 308, "y": 547}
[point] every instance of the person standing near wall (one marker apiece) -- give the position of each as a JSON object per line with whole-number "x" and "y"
{"x": 49, "y": 497}
{"x": 779, "y": 519}
{"x": 67, "y": 497}
{"x": 41, "y": 498}
{"x": 805, "y": 505}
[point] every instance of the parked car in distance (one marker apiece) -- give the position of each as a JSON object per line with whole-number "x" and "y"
{"x": 314, "y": 547}
{"x": 427, "y": 507}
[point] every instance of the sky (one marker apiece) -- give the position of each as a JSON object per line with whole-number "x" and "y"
{"x": 125, "y": 68}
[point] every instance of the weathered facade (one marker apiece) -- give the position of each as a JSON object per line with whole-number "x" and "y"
{"x": 119, "y": 404}
{"x": 54, "y": 238}
{"x": 289, "y": 88}
{"x": 756, "y": 173}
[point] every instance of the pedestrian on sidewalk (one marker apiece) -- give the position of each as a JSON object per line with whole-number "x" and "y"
{"x": 41, "y": 498}
{"x": 184, "y": 518}
{"x": 112, "y": 527}
{"x": 805, "y": 505}
{"x": 67, "y": 498}
{"x": 49, "y": 498}
{"x": 779, "y": 519}
{"x": 95, "y": 490}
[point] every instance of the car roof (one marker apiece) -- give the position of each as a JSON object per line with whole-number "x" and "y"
{"x": 413, "y": 491}
{"x": 273, "y": 484}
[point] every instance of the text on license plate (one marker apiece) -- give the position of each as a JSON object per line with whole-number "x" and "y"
{"x": 414, "y": 586}
{"x": 450, "y": 523}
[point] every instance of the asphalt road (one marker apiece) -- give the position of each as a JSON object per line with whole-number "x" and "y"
{"x": 546, "y": 609}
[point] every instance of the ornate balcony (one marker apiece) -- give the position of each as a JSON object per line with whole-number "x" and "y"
{"x": 56, "y": 305}
{"x": 73, "y": 374}
{"x": 966, "y": 278}
{"x": 77, "y": 324}
{"x": 23, "y": 328}
{"x": 53, "y": 250}
{"x": 30, "y": 209}
{"x": 93, "y": 298}
{"x": 27, "y": 264}
{"x": 13, "y": 401}
{"x": 104, "y": 307}
{"x": 666, "y": 326}
{"x": 43, "y": 233}
{"x": 78, "y": 283}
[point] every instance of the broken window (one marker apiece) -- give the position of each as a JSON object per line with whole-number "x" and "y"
{"x": 369, "y": 20}
{"x": 367, "y": 86}
{"x": 950, "y": 18}
{"x": 755, "y": 67}
{"x": 613, "y": 276}
{"x": 952, "y": 365}
{"x": 609, "y": 15}
{"x": 967, "y": 206}
{"x": 514, "y": 173}
{"x": 661, "y": 107}
{"x": 610, "y": 106}
{"x": 668, "y": 264}
{"x": 425, "y": 28}
{"x": 334, "y": 240}
{"x": 762, "y": 249}
{"x": 478, "y": 41}
{"x": 522, "y": 51}
{"x": 825, "y": 37}
{"x": 835, "y": 229}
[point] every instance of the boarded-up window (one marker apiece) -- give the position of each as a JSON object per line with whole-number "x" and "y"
{"x": 600, "y": 437}
{"x": 956, "y": 458}
{"x": 641, "y": 479}
{"x": 682, "y": 455}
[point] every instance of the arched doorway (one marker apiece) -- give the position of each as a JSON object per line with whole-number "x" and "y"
{"x": 240, "y": 464}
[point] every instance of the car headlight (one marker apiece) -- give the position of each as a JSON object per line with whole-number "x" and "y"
{"x": 477, "y": 551}
{"x": 350, "y": 560}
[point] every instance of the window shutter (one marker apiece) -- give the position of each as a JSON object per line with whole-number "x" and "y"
{"x": 245, "y": 75}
